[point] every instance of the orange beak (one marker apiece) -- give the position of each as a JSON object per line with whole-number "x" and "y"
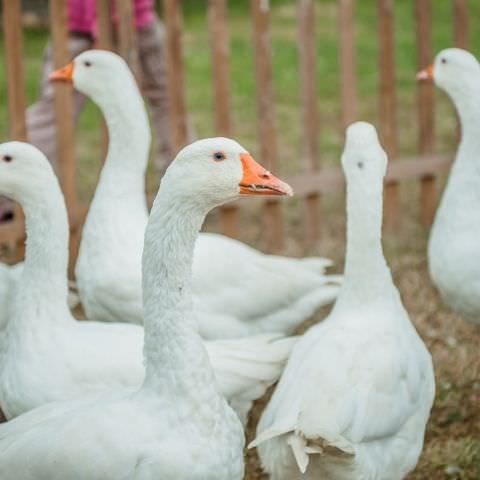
{"x": 258, "y": 181}
{"x": 425, "y": 74}
{"x": 64, "y": 74}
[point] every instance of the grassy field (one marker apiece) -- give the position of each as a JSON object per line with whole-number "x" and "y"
{"x": 452, "y": 449}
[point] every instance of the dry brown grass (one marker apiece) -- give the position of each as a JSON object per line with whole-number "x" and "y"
{"x": 452, "y": 444}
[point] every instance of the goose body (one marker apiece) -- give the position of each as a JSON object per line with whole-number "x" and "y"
{"x": 8, "y": 278}
{"x": 453, "y": 250}
{"x": 49, "y": 356}
{"x": 356, "y": 394}
{"x": 176, "y": 425}
{"x": 225, "y": 271}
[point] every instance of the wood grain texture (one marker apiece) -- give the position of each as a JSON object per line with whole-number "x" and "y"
{"x": 172, "y": 16}
{"x": 387, "y": 104}
{"x": 220, "y": 47}
{"x": 105, "y": 30}
{"x": 460, "y": 23}
{"x": 273, "y": 228}
{"x": 425, "y": 106}
{"x": 348, "y": 61}
{"x": 308, "y": 100}
{"x": 16, "y": 99}
{"x": 127, "y": 35}
{"x": 64, "y": 120}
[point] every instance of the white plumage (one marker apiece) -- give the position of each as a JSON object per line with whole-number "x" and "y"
{"x": 8, "y": 278}
{"x": 225, "y": 271}
{"x": 49, "y": 356}
{"x": 177, "y": 425}
{"x": 354, "y": 399}
{"x": 453, "y": 250}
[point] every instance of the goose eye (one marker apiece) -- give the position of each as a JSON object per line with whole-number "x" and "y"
{"x": 7, "y": 158}
{"x": 87, "y": 63}
{"x": 443, "y": 60}
{"x": 219, "y": 156}
{"x": 360, "y": 165}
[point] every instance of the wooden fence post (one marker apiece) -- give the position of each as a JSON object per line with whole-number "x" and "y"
{"x": 175, "y": 72}
{"x": 426, "y": 117}
{"x": 308, "y": 94}
{"x": 105, "y": 31}
{"x": 13, "y": 34}
{"x": 388, "y": 124}
{"x": 105, "y": 42}
{"x": 460, "y": 23}
{"x": 348, "y": 61}
{"x": 219, "y": 41}
{"x": 64, "y": 120}
{"x": 127, "y": 36}
{"x": 268, "y": 149}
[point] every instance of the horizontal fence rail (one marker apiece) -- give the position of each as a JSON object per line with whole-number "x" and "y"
{"x": 315, "y": 180}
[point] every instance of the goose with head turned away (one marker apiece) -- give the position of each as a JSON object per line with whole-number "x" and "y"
{"x": 225, "y": 271}
{"x": 47, "y": 355}
{"x": 356, "y": 394}
{"x": 454, "y": 249}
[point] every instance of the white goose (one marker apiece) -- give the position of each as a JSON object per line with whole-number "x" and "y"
{"x": 48, "y": 355}
{"x": 454, "y": 249}
{"x": 225, "y": 271}
{"x": 177, "y": 425}
{"x": 356, "y": 394}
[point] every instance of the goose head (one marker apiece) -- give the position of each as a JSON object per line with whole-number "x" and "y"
{"x": 212, "y": 171}
{"x": 94, "y": 73}
{"x": 454, "y": 70}
{"x": 363, "y": 160}
{"x": 25, "y": 172}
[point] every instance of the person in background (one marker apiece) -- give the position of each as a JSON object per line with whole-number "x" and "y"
{"x": 83, "y": 29}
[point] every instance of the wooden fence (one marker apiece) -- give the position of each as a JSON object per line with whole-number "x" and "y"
{"x": 314, "y": 181}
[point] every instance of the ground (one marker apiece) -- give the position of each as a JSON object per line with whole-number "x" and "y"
{"x": 452, "y": 443}
{"x": 452, "y": 448}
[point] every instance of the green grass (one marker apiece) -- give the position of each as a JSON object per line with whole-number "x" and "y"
{"x": 286, "y": 81}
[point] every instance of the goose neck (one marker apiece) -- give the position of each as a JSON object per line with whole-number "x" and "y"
{"x": 128, "y": 132}
{"x": 366, "y": 273}
{"x": 466, "y": 169}
{"x": 175, "y": 357}
{"x": 44, "y": 277}
{"x": 467, "y": 104}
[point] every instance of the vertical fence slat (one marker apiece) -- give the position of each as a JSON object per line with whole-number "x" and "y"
{"x": 175, "y": 72}
{"x": 460, "y": 23}
{"x": 219, "y": 41}
{"x": 63, "y": 104}
{"x": 105, "y": 31}
{"x": 268, "y": 151}
{"x": 64, "y": 119}
{"x": 388, "y": 125}
{"x": 127, "y": 36}
{"x": 308, "y": 94}
{"x": 13, "y": 34}
{"x": 105, "y": 42}
{"x": 348, "y": 61}
{"x": 12, "y": 28}
{"x": 425, "y": 96}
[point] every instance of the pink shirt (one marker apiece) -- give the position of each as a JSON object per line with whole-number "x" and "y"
{"x": 82, "y": 15}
